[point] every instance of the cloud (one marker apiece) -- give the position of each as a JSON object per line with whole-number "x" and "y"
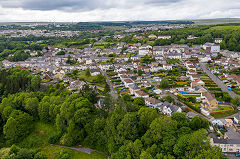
{"x": 116, "y": 10}
{"x": 76, "y": 5}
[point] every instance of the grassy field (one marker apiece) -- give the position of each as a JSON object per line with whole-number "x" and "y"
{"x": 230, "y": 27}
{"x": 222, "y": 108}
{"x": 216, "y": 21}
{"x": 82, "y": 75}
{"x": 51, "y": 151}
{"x": 223, "y": 115}
{"x": 38, "y": 139}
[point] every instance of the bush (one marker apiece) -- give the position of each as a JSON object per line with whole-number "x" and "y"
{"x": 64, "y": 154}
{"x": 40, "y": 155}
{"x": 54, "y": 138}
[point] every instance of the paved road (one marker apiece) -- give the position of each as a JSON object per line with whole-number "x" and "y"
{"x": 112, "y": 90}
{"x": 83, "y": 149}
{"x": 176, "y": 99}
{"x": 217, "y": 80}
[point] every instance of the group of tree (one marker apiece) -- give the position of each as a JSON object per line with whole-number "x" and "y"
{"x": 122, "y": 128}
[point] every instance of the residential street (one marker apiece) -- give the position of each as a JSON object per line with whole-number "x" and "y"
{"x": 217, "y": 80}
{"x": 112, "y": 90}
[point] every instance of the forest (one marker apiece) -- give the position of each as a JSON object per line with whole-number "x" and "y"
{"x": 122, "y": 128}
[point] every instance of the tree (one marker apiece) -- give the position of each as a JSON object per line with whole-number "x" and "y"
{"x": 139, "y": 101}
{"x": 145, "y": 155}
{"x": 108, "y": 103}
{"x": 236, "y": 102}
{"x": 169, "y": 99}
{"x": 198, "y": 123}
{"x": 35, "y": 83}
{"x": 18, "y": 126}
{"x": 106, "y": 88}
{"x": 164, "y": 83}
{"x": 88, "y": 73}
{"x": 146, "y": 116}
{"x": 180, "y": 118}
{"x": 127, "y": 128}
{"x": 31, "y": 106}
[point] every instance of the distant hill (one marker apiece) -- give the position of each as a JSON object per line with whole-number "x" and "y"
{"x": 216, "y": 21}
{"x": 128, "y": 23}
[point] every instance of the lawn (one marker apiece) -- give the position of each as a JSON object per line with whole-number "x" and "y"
{"x": 52, "y": 151}
{"x": 39, "y": 136}
{"x": 82, "y": 75}
{"x": 223, "y": 115}
{"x": 222, "y": 108}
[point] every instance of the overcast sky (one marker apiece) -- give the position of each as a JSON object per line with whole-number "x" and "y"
{"x": 115, "y": 10}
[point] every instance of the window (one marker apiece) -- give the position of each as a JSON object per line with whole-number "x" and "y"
{"x": 230, "y": 149}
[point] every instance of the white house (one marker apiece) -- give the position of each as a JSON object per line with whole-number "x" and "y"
{"x": 218, "y": 40}
{"x": 169, "y": 109}
{"x": 167, "y": 67}
{"x": 141, "y": 94}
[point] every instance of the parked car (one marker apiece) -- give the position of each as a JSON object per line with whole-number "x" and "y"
{"x": 237, "y": 154}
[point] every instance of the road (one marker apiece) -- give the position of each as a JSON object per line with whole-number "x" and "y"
{"x": 217, "y": 80}
{"x": 112, "y": 90}
{"x": 176, "y": 99}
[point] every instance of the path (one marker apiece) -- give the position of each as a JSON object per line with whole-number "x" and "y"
{"x": 83, "y": 149}
{"x": 112, "y": 90}
{"x": 217, "y": 80}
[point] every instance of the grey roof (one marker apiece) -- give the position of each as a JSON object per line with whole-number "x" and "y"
{"x": 134, "y": 86}
{"x": 174, "y": 108}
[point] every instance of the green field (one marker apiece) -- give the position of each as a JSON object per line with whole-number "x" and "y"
{"x": 222, "y": 108}
{"x": 230, "y": 27}
{"x": 38, "y": 139}
{"x": 216, "y": 21}
{"x": 51, "y": 151}
{"x": 223, "y": 115}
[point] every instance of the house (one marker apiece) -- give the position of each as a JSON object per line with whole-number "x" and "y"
{"x": 158, "y": 50}
{"x": 218, "y": 40}
{"x": 174, "y": 56}
{"x": 204, "y": 111}
{"x": 164, "y": 37}
{"x": 236, "y": 119}
{"x": 193, "y": 77}
{"x": 127, "y": 82}
{"x": 211, "y": 48}
{"x": 152, "y": 37}
{"x": 229, "y": 145}
{"x": 152, "y": 102}
{"x": 141, "y": 94}
{"x": 198, "y": 89}
{"x": 168, "y": 109}
{"x": 236, "y": 78}
{"x": 191, "y": 114}
{"x": 197, "y": 82}
{"x": 133, "y": 88}
{"x": 191, "y": 37}
{"x": 167, "y": 67}
{"x": 94, "y": 72}
{"x": 105, "y": 66}
{"x": 209, "y": 101}
{"x": 144, "y": 50}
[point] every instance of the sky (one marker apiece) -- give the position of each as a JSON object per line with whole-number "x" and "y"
{"x": 115, "y": 10}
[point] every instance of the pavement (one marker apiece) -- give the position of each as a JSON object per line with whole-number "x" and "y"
{"x": 112, "y": 90}
{"x": 220, "y": 84}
